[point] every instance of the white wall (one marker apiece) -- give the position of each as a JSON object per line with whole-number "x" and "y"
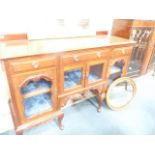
{"x": 18, "y": 16}
{"x": 5, "y": 115}
{"x": 39, "y": 16}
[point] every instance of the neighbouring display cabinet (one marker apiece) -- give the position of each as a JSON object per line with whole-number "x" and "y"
{"x": 143, "y": 54}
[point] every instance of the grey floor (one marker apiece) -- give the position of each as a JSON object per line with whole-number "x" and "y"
{"x": 83, "y": 119}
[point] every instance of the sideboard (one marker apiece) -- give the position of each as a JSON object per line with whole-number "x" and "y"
{"x": 43, "y": 75}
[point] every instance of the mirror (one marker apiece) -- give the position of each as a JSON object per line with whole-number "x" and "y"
{"x": 120, "y": 93}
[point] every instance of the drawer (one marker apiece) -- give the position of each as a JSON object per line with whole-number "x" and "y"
{"x": 121, "y": 51}
{"x": 68, "y": 59}
{"x": 31, "y": 63}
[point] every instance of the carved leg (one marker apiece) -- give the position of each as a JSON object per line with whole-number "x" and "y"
{"x": 60, "y": 118}
{"x": 101, "y": 97}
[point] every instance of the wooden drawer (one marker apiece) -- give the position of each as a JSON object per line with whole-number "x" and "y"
{"x": 121, "y": 51}
{"x": 68, "y": 59}
{"x": 31, "y": 63}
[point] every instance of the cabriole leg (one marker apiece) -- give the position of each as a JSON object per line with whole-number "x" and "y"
{"x": 60, "y": 118}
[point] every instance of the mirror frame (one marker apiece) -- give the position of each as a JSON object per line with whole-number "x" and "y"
{"x": 113, "y": 84}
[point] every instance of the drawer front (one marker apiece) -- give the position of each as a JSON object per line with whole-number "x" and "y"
{"x": 68, "y": 59}
{"x": 31, "y": 63}
{"x": 121, "y": 51}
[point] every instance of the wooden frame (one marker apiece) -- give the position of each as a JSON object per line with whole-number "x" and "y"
{"x": 122, "y": 79}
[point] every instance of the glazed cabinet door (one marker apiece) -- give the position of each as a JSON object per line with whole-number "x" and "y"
{"x": 35, "y": 93}
{"x": 118, "y": 67}
{"x": 142, "y": 37}
{"x": 73, "y": 77}
{"x": 96, "y": 72}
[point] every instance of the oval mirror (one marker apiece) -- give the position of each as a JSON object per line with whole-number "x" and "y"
{"x": 120, "y": 93}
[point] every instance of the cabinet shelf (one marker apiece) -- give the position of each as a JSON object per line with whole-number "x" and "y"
{"x": 37, "y": 92}
{"x": 72, "y": 101}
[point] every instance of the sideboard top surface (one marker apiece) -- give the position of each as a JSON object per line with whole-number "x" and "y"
{"x": 12, "y": 49}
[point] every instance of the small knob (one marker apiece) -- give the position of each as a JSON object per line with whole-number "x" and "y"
{"x": 98, "y": 54}
{"x": 35, "y": 64}
{"x": 76, "y": 57}
{"x": 123, "y": 51}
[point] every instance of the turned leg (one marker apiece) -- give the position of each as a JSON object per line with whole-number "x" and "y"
{"x": 101, "y": 97}
{"x": 60, "y": 118}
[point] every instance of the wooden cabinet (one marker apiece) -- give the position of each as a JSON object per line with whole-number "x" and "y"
{"x": 40, "y": 85}
{"x": 33, "y": 84}
{"x": 83, "y": 68}
{"x": 143, "y": 33}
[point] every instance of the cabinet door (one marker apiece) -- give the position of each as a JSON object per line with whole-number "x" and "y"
{"x": 142, "y": 37}
{"x": 96, "y": 71}
{"x": 118, "y": 67}
{"x": 35, "y": 93}
{"x": 73, "y": 77}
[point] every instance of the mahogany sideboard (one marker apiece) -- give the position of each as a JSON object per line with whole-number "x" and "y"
{"x": 44, "y": 74}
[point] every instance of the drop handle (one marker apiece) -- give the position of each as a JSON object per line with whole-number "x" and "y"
{"x": 76, "y": 57}
{"x": 35, "y": 64}
{"x": 123, "y": 51}
{"x": 98, "y": 54}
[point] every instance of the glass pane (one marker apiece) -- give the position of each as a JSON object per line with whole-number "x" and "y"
{"x": 31, "y": 86}
{"x": 142, "y": 36}
{"x": 116, "y": 69}
{"x": 95, "y": 72}
{"x": 72, "y": 78}
{"x": 136, "y": 59}
{"x": 37, "y": 97}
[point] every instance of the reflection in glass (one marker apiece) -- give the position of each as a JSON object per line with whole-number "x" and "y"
{"x": 137, "y": 58}
{"x": 37, "y": 97}
{"x": 72, "y": 78}
{"x": 37, "y": 104}
{"x": 95, "y": 72}
{"x": 142, "y": 36}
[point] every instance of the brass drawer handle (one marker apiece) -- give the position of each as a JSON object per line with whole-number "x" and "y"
{"x": 76, "y": 57}
{"x": 98, "y": 54}
{"x": 123, "y": 51}
{"x": 35, "y": 64}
